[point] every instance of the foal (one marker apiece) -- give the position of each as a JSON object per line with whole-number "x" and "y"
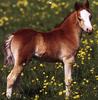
{"x": 61, "y": 43}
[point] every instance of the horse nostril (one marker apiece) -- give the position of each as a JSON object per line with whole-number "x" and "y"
{"x": 87, "y": 30}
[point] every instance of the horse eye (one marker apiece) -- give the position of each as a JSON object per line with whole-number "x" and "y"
{"x": 90, "y": 17}
{"x": 79, "y": 19}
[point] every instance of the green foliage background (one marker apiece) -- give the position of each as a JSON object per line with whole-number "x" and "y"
{"x": 41, "y": 80}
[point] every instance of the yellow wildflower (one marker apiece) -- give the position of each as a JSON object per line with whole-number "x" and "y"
{"x": 22, "y": 2}
{"x": 76, "y": 96}
{"x": 60, "y": 93}
{"x": 1, "y": 22}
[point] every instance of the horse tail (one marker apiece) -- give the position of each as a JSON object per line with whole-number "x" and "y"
{"x": 8, "y": 56}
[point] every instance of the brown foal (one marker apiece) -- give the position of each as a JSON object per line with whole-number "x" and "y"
{"x": 61, "y": 44}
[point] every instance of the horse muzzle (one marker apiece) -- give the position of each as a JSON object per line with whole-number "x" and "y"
{"x": 89, "y": 30}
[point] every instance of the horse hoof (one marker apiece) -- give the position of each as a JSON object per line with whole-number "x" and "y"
{"x": 8, "y": 93}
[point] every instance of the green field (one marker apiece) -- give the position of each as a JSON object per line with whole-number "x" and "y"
{"x": 43, "y": 80}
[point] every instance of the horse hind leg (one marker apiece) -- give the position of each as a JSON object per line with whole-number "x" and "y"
{"x": 11, "y": 79}
{"x": 13, "y": 75}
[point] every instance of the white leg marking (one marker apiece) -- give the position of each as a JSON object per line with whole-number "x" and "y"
{"x": 68, "y": 78}
{"x": 67, "y": 74}
{"x": 9, "y": 93}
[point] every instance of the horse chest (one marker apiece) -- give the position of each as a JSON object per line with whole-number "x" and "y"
{"x": 67, "y": 50}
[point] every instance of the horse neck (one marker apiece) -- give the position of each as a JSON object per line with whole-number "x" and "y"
{"x": 71, "y": 27}
{"x": 71, "y": 24}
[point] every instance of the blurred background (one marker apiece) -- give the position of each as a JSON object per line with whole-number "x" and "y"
{"x": 41, "y": 80}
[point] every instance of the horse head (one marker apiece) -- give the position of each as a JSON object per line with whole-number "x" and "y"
{"x": 84, "y": 16}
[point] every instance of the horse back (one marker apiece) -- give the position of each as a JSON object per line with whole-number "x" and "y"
{"x": 23, "y": 43}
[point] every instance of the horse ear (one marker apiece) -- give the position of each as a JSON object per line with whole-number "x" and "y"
{"x": 77, "y": 6}
{"x": 86, "y": 3}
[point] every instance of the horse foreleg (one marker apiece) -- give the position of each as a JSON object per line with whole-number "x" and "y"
{"x": 67, "y": 74}
{"x": 12, "y": 78}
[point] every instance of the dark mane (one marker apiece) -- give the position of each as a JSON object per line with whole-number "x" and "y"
{"x": 58, "y": 25}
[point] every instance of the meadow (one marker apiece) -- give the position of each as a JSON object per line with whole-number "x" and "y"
{"x": 42, "y": 80}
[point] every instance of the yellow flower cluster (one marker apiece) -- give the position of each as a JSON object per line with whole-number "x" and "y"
{"x": 22, "y": 3}
{"x": 96, "y": 77}
{"x": 85, "y": 51}
{"x": 95, "y": 3}
{"x": 53, "y": 4}
{"x": 76, "y": 97}
{"x": 36, "y": 97}
{"x": 85, "y": 81}
{"x": 62, "y": 92}
{"x": 58, "y": 65}
{"x": 3, "y": 20}
{"x": 96, "y": 37}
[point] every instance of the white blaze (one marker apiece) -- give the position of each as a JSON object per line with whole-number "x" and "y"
{"x": 85, "y": 16}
